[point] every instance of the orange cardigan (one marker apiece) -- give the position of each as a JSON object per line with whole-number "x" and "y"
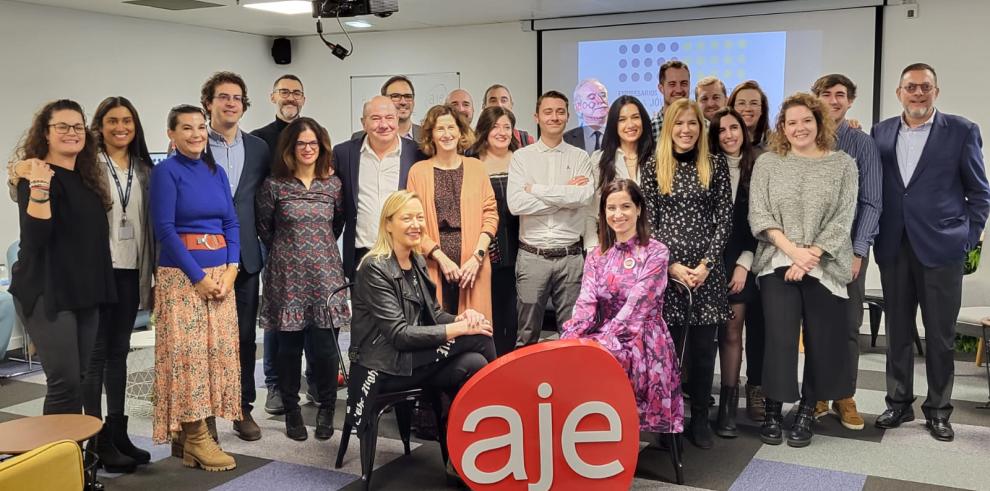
{"x": 479, "y": 214}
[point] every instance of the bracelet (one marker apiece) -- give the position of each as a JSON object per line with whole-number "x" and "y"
{"x": 39, "y": 181}
{"x": 39, "y": 201}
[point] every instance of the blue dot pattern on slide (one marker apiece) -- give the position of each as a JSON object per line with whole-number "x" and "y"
{"x": 731, "y": 57}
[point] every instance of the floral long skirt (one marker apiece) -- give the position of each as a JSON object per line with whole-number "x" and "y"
{"x": 197, "y": 367}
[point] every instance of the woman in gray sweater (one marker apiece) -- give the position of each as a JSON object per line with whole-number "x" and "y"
{"x": 802, "y": 204}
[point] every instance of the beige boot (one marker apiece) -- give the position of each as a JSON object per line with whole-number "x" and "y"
{"x": 179, "y": 439}
{"x": 200, "y": 449}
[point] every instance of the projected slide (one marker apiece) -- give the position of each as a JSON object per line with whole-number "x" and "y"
{"x": 630, "y": 66}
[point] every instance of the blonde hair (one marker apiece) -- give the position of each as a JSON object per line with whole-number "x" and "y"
{"x": 824, "y": 139}
{"x": 383, "y": 244}
{"x": 666, "y": 163}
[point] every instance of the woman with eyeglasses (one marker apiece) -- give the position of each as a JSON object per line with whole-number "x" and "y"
{"x": 461, "y": 213}
{"x": 62, "y": 203}
{"x": 749, "y": 100}
{"x": 299, "y": 218}
{"x": 197, "y": 368}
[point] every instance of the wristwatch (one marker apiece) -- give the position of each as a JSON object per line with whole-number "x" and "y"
{"x": 708, "y": 263}
{"x": 480, "y": 253}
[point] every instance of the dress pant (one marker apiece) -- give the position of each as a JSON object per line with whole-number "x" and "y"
{"x": 702, "y": 344}
{"x": 321, "y": 360}
{"x": 269, "y": 357}
{"x": 246, "y": 288}
{"x": 907, "y": 284}
{"x": 538, "y": 279}
{"x": 857, "y": 295}
{"x": 108, "y": 365}
{"x": 505, "y": 317}
{"x": 65, "y": 342}
{"x": 786, "y": 306}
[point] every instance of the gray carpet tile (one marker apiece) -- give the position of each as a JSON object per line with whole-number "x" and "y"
{"x": 170, "y": 475}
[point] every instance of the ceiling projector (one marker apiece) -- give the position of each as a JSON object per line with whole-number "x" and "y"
{"x": 353, "y": 8}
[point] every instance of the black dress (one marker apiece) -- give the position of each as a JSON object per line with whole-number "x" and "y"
{"x": 694, "y": 223}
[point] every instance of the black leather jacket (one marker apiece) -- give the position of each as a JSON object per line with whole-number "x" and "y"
{"x": 385, "y": 327}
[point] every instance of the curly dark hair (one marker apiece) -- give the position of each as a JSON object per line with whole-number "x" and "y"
{"x": 285, "y": 157}
{"x": 426, "y": 144}
{"x": 34, "y": 145}
{"x": 206, "y": 93}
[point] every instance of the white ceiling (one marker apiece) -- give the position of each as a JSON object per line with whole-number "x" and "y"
{"x": 413, "y": 14}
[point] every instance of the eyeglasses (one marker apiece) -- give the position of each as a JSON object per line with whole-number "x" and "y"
{"x": 298, "y": 94}
{"x": 398, "y": 97}
{"x": 62, "y": 128}
{"x": 228, "y": 97}
{"x": 301, "y": 145}
{"x": 912, "y": 88}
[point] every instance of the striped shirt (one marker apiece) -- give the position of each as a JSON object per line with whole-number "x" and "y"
{"x": 864, "y": 151}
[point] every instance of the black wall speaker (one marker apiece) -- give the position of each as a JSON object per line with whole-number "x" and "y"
{"x": 282, "y": 51}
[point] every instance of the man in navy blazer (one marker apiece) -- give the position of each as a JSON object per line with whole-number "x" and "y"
{"x": 935, "y": 205}
{"x": 371, "y": 166}
{"x": 245, "y": 158}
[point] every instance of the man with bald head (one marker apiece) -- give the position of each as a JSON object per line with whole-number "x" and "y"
{"x": 591, "y": 106}
{"x": 461, "y": 102}
{"x": 371, "y": 166}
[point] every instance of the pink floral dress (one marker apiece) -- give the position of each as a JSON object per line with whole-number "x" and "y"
{"x": 620, "y": 306}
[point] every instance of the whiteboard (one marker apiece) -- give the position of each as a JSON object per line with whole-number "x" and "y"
{"x": 431, "y": 89}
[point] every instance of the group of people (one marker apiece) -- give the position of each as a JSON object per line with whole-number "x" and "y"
{"x": 457, "y": 238}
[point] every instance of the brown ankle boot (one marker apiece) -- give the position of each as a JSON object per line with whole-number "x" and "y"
{"x": 179, "y": 439}
{"x": 755, "y": 403}
{"x": 200, "y": 449}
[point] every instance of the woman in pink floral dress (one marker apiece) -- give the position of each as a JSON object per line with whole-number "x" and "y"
{"x": 621, "y": 303}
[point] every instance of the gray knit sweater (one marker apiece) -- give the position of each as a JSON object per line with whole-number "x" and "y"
{"x": 813, "y": 201}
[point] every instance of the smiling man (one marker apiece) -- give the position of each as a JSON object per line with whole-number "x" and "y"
{"x": 591, "y": 105}
{"x": 550, "y": 189}
{"x": 460, "y": 100}
{"x": 711, "y": 96}
{"x": 288, "y": 97}
{"x": 675, "y": 83}
{"x": 245, "y": 157}
{"x": 837, "y": 93}
{"x": 935, "y": 205}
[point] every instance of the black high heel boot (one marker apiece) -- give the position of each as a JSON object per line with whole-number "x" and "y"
{"x": 801, "y": 433}
{"x": 771, "y": 432}
{"x": 728, "y": 401}
{"x": 701, "y": 428}
{"x": 118, "y": 433}
{"x": 110, "y": 458}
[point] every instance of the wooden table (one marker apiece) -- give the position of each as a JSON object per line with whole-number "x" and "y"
{"x": 25, "y": 434}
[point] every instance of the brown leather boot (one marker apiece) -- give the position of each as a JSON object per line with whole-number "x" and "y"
{"x": 755, "y": 403}
{"x": 200, "y": 449}
{"x": 179, "y": 439}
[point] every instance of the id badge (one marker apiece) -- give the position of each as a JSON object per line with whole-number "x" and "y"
{"x": 125, "y": 231}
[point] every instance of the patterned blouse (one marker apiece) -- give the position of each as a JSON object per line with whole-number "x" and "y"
{"x": 695, "y": 223}
{"x": 620, "y": 306}
{"x": 299, "y": 227}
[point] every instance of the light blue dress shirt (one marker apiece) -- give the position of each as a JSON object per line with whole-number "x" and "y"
{"x": 910, "y": 144}
{"x": 230, "y": 157}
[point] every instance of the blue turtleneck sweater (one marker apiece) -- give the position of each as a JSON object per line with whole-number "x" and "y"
{"x": 186, "y": 197}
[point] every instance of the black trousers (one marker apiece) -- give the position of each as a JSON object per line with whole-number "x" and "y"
{"x": 505, "y": 317}
{"x": 700, "y": 359}
{"x": 755, "y": 340}
{"x": 321, "y": 361}
{"x": 857, "y": 295}
{"x": 108, "y": 364}
{"x": 907, "y": 284}
{"x": 246, "y": 288}
{"x": 65, "y": 342}
{"x": 787, "y": 305}
{"x": 469, "y": 354}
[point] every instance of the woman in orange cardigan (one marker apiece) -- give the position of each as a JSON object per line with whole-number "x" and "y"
{"x": 461, "y": 213}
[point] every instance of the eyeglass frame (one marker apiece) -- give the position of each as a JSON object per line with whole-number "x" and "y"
{"x": 295, "y": 94}
{"x": 396, "y": 96}
{"x": 75, "y": 128}
{"x": 912, "y": 88}
{"x": 229, "y": 97}
{"x": 301, "y": 145}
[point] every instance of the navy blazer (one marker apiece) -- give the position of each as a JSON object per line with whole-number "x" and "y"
{"x": 944, "y": 206}
{"x": 256, "y": 168}
{"x": 575, "y": 136}
{"x": 347, "y": 163}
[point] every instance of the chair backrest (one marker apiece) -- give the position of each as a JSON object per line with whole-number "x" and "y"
{"x": 976, "y": 287}
{"x": 12, "y": 250}
{"x": 57, "y": 465}
{"x": 336, "y": 342}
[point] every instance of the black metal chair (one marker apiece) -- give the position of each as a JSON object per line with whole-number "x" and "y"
{"x": 401, "y": 401}
{"x": 675, "y": 441}
{"x": 874, "y": 301}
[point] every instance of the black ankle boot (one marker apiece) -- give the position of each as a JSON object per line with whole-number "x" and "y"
{"x": 110, "y": 458}
{"x": 324, "y": 422}
{"x": 295, "y": 428}
{"x": 701, "y": 428}
{"x": 770, "y": 432}
{"x": 118, "y": 433}
{"x": 801, "y": 433}
{"x": 728, "y": 401}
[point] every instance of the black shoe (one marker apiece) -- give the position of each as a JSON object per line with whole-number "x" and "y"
{"x": 294, "y": 426}
{"x": 940, "y": 429}
{"x": 802, "y": 431}
{"x": 324, "y": 423}
{"x": 110, "y": 458}
{"x": 770, "y": 432}
{"x": 892, "y": 418}
{"x": 273, "y": 402}
{"x": 701, "y": 428}
{"x": 118, "y": 434}
{"x": 728, "y": 401}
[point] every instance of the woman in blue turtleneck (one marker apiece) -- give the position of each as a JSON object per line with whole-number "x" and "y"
{"x": 196, "y": 346}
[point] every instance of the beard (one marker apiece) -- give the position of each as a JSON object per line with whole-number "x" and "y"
{"x": 917, "y": 112}
{"x": 288, "y": 111}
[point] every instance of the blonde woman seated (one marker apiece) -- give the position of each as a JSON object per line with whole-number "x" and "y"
{"x": 621, "y": 305}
